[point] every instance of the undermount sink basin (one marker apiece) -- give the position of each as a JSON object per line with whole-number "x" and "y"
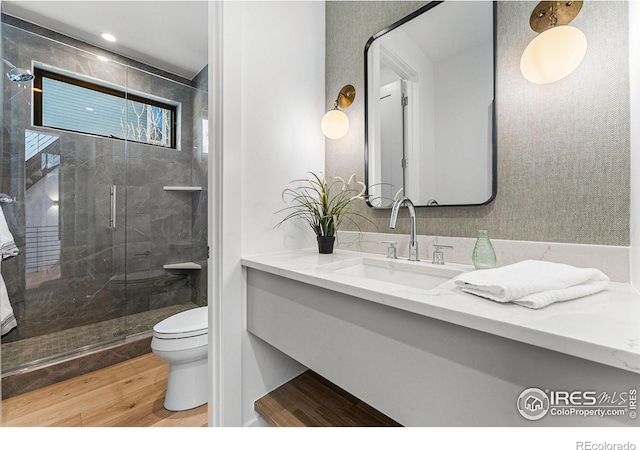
{"x": 416, "y": 274}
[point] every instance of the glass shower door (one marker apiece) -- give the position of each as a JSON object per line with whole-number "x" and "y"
{"x": 166, "y": 209}
{"x": 67, "y": 214}
{"x": 89, "y": 211}
{"x": 65, "y": 291}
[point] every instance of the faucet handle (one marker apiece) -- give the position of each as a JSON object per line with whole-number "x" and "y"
{"x": 391, "y": 251}
{"x": 438, "y": 256}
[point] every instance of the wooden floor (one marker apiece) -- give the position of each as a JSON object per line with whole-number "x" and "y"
{"x": 129, "y": 394}
{"x": 312, "y": 401}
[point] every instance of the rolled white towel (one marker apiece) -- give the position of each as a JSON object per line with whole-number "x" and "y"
{"x": 8, "y": 250}
{"x": 7, "y": 318}
{"x": 8, "y": 247}
{"x": 533, "y": 284}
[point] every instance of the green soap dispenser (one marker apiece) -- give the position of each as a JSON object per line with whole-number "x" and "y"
{"x": 484, "y": 256}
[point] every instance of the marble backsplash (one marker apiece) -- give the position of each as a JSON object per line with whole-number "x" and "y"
{"x": 611, "y": 260}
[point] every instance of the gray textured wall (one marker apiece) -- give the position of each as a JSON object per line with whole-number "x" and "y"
{"x": 563, "y": 148}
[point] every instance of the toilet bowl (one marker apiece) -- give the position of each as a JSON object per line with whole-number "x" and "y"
{"x": 181, "y": 340}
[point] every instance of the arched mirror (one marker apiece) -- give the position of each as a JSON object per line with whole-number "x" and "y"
{"x": 430, "y": 109}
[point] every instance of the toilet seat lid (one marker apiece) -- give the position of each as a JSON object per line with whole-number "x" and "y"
{"x": 191, "y": 322}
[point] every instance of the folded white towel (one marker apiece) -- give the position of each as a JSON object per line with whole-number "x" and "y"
{"x": 8, "y": 250}
{"x": 8, "y": 247}
{"x": 7, "y": 319}
{"x": 533, "y": 284}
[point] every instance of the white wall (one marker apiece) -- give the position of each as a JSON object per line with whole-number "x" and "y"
{"x": 464, "y": 142}
{"x": 634, "y": 66}
{"x": 283, "y": 98}
{"x": 272, "y": 100}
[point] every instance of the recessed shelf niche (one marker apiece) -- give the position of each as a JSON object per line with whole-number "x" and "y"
{"x": 183, "y": 188}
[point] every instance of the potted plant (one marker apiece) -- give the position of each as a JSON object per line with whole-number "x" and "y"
{"x": 324, "y": 205}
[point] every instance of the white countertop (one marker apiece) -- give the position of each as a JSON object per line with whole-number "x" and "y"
{"x": 603, "y": 327}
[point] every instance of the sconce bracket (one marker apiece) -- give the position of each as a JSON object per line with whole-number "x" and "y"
{"x": 565, "y": 12}
{"x": 346, "y": 96}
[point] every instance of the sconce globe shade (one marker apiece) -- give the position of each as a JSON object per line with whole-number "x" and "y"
{"x": 553, "y": 54}
{"x": 335, "y": 124}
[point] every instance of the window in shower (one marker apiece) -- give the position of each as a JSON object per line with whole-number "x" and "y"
{"x": 66, "y": 103}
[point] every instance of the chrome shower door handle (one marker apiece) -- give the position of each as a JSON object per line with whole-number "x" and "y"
{"x": 112, "y": 215}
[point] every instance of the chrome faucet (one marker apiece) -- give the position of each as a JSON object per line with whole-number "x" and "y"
{"x": 413, "y": 240}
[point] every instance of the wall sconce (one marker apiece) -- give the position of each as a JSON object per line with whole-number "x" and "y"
{"x": 335, "y": 123}
{"x": 559, "y": 49}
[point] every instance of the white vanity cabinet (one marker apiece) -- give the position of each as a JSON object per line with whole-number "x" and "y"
{"x": 416, "y": 367}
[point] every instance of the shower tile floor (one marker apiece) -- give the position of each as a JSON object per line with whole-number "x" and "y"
{"x": 46, "y": 348}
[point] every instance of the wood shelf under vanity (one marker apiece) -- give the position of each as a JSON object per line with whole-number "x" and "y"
{"x": 310, "y": 400}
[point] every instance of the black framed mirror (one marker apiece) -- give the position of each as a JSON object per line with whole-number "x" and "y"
{"x": 430, "y": 131}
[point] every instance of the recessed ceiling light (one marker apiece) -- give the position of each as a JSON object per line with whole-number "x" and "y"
{"x": 89, "y": 109}
{"x": 108, "y": 37}
{"x": 103, "y": 58}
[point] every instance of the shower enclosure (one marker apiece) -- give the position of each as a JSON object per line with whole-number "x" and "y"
{"x": 103, "y": 184}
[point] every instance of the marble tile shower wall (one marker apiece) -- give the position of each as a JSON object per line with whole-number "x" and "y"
{"x": 106, "y": 273}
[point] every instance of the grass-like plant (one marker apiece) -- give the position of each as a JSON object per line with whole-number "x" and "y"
{"x": 324, "y": 204}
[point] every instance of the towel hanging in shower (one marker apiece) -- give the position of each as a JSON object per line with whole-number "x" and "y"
{"x": 7, "y": 245}
{"x": 7, "y": 319}
{"x": 9, "y": 250}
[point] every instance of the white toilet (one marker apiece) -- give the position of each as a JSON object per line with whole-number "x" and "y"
{"x": 181, "y": 340}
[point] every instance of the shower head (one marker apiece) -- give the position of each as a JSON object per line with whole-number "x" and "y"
{"x": 17, "y": 74}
